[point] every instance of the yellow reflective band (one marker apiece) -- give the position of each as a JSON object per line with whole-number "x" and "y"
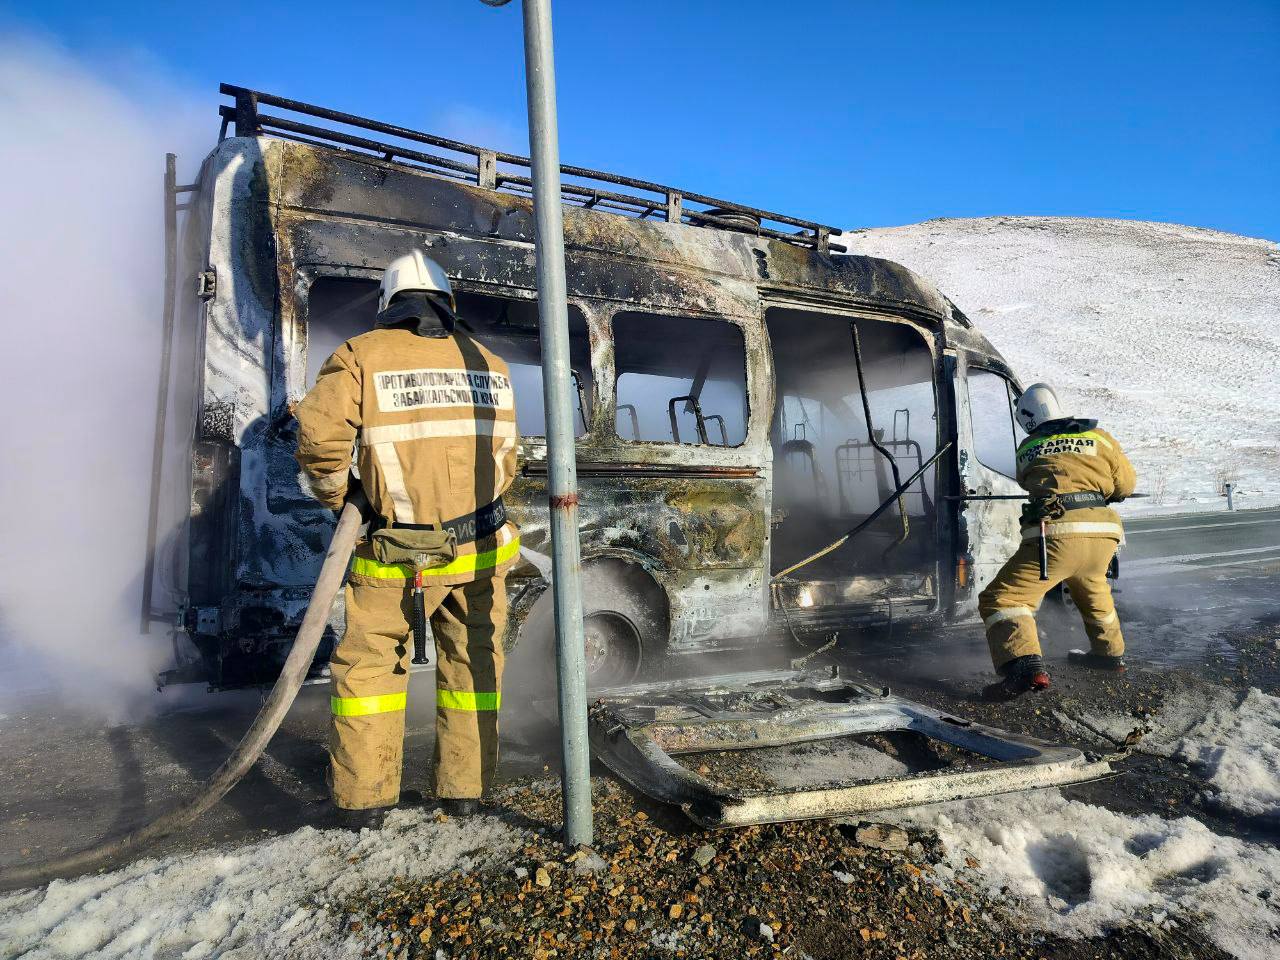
{"x": 1029, "y": 444}
{"x": 1007, "y": 613}
{"x": 364, "y": 706}
{"x": 467, "y": 700}
{"x": 467, "y": 563}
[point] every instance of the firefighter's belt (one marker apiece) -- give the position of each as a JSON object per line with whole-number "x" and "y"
{"x": 1055, "y": 505}
{"x": 1081, "y": 501}
{"x": 468, "y": 528}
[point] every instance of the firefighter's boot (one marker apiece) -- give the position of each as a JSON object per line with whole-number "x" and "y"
{"x": 458, "y": 807}
{"x": 368, "y": 818}
{"x": 1020, "y": 675}
{"x": 1097, "y": 661}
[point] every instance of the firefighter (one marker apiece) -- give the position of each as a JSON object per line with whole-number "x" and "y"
{"x": 1072, "y": 471}
{"x": 431, "y": 413}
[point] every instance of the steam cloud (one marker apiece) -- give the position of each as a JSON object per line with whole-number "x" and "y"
{"x": 81, "y": 250}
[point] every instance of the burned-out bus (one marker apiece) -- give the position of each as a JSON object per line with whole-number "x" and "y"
{"x": 746, "y": 393}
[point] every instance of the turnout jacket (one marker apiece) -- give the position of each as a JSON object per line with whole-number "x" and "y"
{"x": 433, "y": 425}
{"x": 1076, "y": 456}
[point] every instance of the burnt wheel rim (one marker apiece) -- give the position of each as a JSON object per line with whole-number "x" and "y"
{"x": 613, "y": 648}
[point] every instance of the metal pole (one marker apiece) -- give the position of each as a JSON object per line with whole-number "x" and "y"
{"x": 557, "y": 388}
{"x": 1230, "y": 501}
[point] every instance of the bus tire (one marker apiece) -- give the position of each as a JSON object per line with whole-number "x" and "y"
{"x": 624, "y": 620}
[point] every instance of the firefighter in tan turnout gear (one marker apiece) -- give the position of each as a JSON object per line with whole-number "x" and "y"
{"x": 1072, "y": 471}
{"x": 432, "y": 415}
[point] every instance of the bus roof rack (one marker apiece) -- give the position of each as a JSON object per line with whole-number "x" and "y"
{"x": 479, "y": 165}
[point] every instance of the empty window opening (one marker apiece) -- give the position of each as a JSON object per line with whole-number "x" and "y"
{"x": 828, "y": 472}
{"x": 996, "y": 431}
{"x": 340, "y": 308}
{"x": 510, "y": 329}
{"x": 680, "y": 380}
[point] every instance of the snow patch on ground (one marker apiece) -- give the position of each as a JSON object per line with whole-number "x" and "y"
{"x": 280, "y": 897}
{"x": 1232, "y": 743}
{"x": 1080, "y": 870}
{"x": 1236, "y": 748}
{"x": 1167, "y": 334}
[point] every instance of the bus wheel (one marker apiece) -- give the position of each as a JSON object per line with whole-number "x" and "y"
{"x": 615, "y": 649}
{"x": 624, "y": 620}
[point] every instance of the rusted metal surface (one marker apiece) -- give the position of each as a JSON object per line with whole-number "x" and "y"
{"x": 638, "y": 732}
{"x": 691, "y": 516}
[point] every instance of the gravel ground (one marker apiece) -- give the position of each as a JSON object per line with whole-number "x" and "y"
{"x": 657, "y": 886}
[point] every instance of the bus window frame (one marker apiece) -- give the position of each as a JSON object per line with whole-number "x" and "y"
{"x": 750, "y": 386}
{"x": 295, "y": 343}
{"x": 1012, "y": 393}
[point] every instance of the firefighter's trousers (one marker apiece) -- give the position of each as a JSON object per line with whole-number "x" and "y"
{"x": 1009, "y": 602}
{"x": 370, "y": 671}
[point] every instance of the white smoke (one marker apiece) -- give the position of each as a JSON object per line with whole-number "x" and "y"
{"x": 81, "y": 270}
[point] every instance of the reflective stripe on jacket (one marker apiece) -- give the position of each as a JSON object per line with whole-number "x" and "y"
{"x": 433, "y": 424}
{"x": 1074, "y": 456}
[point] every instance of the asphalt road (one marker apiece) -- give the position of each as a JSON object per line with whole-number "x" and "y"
{"x": 70, "y": 779}
{"x": 1198, "y": 543}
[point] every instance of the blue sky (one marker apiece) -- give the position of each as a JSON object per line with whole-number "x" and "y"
{"x": 854, "y": 113}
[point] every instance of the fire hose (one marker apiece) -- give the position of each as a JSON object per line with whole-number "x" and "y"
{"x": 889, "y": 501}
{"x": 778, "y": 578}
{"x": 255, "y": 740}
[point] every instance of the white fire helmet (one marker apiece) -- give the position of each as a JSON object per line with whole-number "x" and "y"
{"x": 1038, "y": 404}
{"x": 414, "y": 272}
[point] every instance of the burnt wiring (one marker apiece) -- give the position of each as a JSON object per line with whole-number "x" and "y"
{"x": 880, "y": 447}
{"x": 779, "y": 578}
{"x": 813, "y": 651}
{"x": 875, "y": 515}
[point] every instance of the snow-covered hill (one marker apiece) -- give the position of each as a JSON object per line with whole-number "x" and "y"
{"x": 1169, "y": 335}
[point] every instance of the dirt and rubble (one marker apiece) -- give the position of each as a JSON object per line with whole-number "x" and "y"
{"x": 1153, "y": 863}
{"x": 654, "y": 885}
{"x": 1249, "y": 658}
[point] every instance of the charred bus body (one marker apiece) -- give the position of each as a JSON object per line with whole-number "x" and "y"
{"x": 725, "y": 431}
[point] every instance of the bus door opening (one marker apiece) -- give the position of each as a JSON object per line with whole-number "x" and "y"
{"x": 832, "y": 468}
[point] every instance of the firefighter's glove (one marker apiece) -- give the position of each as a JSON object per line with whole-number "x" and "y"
{"x": 1039, "y": 509}
{"x": 355, "y": 494}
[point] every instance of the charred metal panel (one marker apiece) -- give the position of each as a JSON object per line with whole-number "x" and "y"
{"x": 701, "y": 539}
{"x": 326, "y": 182}
{"x": 860, "y": 281}
{"x": 237, "y": 341}
{"x": 692, "y": 515}
{"x": 971, "y": 341}
{"x": 638, "y": 732}
{"x": 321, "y": 182}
